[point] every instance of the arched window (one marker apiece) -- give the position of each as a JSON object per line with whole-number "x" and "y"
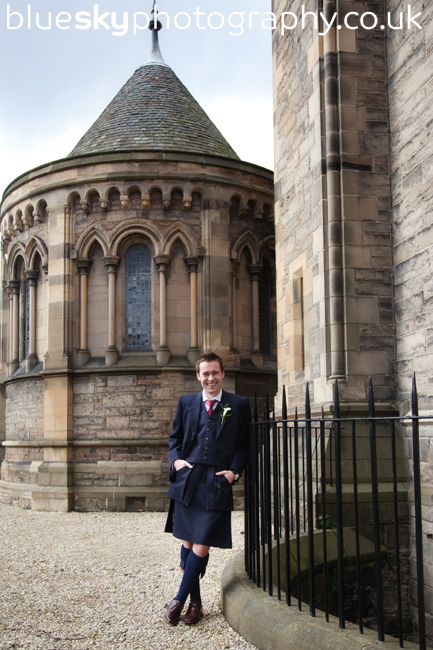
{"x": 26, "y": 318}
{"x": 138, "y": 303}
{"x": 265, "y": 314}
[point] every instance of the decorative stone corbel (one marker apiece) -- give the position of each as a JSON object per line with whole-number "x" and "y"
{"x": 145, "y": 201}
{"x": 27, "y": 220}
{"x": 243, "y": 211}
{"x": 206, "y": 204}
{"x": 103, "y": 202}
{"x": 258, "y": 216}
{"x": 187, "y": 203}
{"x": 167, "y": 201}
{"x": 85, "y": 206}
{"x": 18, "y": 223}
{"x": 124, "y": 201}
{"x": 37, "y": 216}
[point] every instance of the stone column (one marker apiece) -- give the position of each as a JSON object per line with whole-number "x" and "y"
{"x": 163, "y": 353}
{"x": 256, "y": 357}
{"x": 32, "y": 359}
{"x": 14, "y": 288}
{"x": 193, "y": 352}
{"x": 234, "y": 328}
{"x": 111, "y": 353}
{"x": 83, "y": 354}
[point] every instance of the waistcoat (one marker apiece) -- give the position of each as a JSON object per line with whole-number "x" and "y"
{"x": 203, "y": 449}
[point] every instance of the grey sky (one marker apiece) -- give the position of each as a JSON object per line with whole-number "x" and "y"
{"x": 55, "y": 82}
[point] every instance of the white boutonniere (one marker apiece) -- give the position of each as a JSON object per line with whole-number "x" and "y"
{"x": 225, "y": 412}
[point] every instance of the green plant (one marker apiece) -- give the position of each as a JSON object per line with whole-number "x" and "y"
{"x": 328, "y": 523}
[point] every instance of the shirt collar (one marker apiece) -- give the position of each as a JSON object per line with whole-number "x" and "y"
{"x": 217, "y": 398}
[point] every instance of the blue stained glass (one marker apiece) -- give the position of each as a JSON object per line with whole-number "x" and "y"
{"x": 138, "y": 300}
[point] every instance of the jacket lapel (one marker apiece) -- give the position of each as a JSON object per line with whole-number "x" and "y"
{"x": 194, "y": 412}
{"x": 224, "y": 402}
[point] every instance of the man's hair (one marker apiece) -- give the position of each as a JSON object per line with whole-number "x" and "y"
{"x": 209, "y": 356}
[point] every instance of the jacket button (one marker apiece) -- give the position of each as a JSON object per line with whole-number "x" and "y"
{"x": 206, "y": 448}
{"x": 205, "y": 457}
{"x": 208, "y": 429}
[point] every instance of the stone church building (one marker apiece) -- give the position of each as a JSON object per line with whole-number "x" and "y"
{"x": 150, "y": 243}
{"x": 354, "y": 228}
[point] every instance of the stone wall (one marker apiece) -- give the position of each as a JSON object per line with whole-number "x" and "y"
{"x": 334, "y": 255}
{"x": 410, "y": 64}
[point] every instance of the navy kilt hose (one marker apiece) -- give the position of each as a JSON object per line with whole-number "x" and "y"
{"x": 201, "y": 502}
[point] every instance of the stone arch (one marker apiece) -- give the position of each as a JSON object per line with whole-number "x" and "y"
{"x": 156, "y": 198}
{"x": 234, "y": 206}
{"x": 113, "y": 195}
{"x": 248, "y": 241}
{"x": 87, "y": 240}
{"x": 28, "y": 215}
{"x": 17, "y": 255}
{"x": 266, "y": 246}
{"x": 176, "y": 198}
{"x": 36, "y": 246}
{"x": 41, "y": 211}
{"x": 74, "y": 202}
{"x": 196, "y": 200}
{"x": 18, "y": 220}
{"x": 179, "y": 232}
{"x": 93, "y": 200}
{"x": 268, "y": 212}
{"x": 134, "y": 194}
{"x": 127, "y": 229}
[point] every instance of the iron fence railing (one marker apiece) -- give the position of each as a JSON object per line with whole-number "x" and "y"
{"x": 311, "y": 481}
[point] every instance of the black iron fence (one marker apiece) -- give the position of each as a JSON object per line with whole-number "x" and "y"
{"x": 328, "y": 518}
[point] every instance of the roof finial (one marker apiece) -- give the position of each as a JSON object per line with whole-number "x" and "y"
{"x": 155, "y": 56}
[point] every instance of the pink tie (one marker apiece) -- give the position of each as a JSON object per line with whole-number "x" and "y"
{"x": 209, "y": 405}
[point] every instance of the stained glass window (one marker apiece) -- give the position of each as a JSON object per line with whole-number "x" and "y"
{"x": 138, "y": 302}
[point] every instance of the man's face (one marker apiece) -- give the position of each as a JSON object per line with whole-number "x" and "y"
{"x": 210, "y": 377}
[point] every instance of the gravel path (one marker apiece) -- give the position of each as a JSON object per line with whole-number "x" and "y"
{"x": 100, "y": 580}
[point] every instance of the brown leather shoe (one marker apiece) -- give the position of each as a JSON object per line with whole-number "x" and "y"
{"x": 172, "y": 613}
{"x": 193, "y": 613}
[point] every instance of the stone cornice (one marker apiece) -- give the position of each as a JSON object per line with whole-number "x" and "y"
{"x": 80, "y": 162}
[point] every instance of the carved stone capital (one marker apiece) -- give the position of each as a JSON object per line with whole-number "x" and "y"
{"x": 167, "y": 201}
{"x": 162, "y": 261}
{"x": 145, "y": 201}
{"x": 187, "y": 203}
{"x": 112, "y": 261}
{"x": 254, "y": 270}
{"x": 84, "y": 266}
{"x": 192, "y": 263}
{"x": 32, "y": 276}
{"x": 14, "y": 286}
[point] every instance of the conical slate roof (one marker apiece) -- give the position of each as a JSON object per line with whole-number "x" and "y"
{"x": 154, "y": 111}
